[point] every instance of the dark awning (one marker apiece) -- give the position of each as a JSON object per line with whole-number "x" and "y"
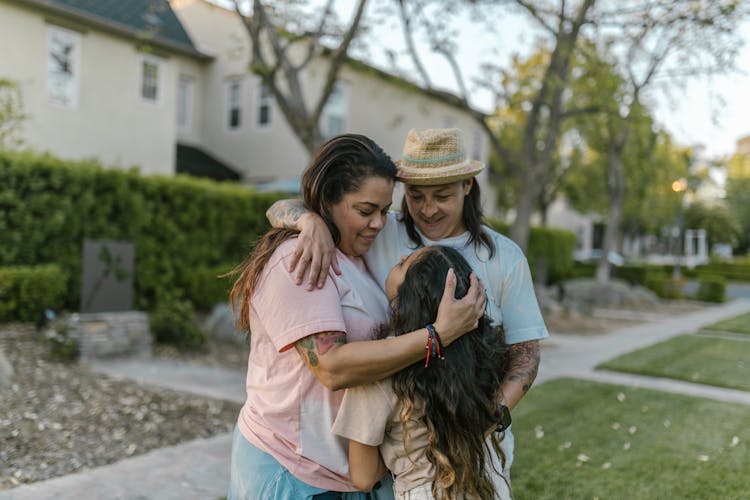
{"x": 196, "y": 162}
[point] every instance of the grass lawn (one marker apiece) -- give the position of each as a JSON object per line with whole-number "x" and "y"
{"x": 577, "y": 439}
{"x": 740, "y": 324}
{"x": 694, "y": 358}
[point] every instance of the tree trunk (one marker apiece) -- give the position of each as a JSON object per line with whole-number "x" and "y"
{"x": 525, "y": 204}
{"x": 616, "y": 191}
{"x": 546, "y": 126}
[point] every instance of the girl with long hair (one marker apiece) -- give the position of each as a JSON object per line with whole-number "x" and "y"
{"x": 434, "y": 422}
{"x": 306, "y": 345}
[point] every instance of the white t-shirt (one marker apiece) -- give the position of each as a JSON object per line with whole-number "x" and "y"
{"x": 506, "y": 276}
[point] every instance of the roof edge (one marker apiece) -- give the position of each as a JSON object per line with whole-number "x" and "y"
{"x": 114, "y": 27}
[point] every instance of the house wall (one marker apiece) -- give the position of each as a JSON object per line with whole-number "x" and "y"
{"x": 258, "y": 153}
{"x": 110, "y": 121}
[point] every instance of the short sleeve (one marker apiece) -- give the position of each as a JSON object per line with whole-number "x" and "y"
{"x": 522, "y": 319}
{"x": 364, "y": 414}
{"x": 288, "y": 311}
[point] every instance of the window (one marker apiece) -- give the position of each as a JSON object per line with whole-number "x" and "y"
{"x": 185, "y": 87}
{"x": 63, "y": 66}
{"x": 264, "y": 106}
{"x": 333, "y": 118}
{"x": 234, "y": 104}
{"x": 152, "y": 70}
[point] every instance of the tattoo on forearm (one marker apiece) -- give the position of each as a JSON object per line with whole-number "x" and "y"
{"x": 285, "y": 213}
{"x": 524, "y": 363}
{"x": 306, "y": 348}
{"x": 317, "y": 345}
{"x": 326, "y": 341}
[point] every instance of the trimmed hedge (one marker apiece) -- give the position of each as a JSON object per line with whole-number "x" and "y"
{"x": 736, "y": 270}
{"x": 554, "y": 247}
{"x": 664, "y": 285}
{"x": 180, "y": 225}
{"x": 205, "y": 288}
{"x": 711, "y": 288}
{"x": 25, "y": 291}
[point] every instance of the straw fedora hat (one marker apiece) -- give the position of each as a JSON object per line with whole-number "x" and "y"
{"x": 436, "y": 156}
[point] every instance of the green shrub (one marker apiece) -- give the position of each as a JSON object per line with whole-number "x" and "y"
{"x": 25, "y": 291}
{"x": 61, "y": 346}
{"x": 711, "y": 288}
{"x": 632, "y": 273}
{"x": 205, "y": 288}
{"x": 664, "y": 285}
{"x": 735, "y": 270}
{"x": 171, "y": 322}
{"x": 548, "y": 248}
{"x": 582, "y": 270}
{"x": 179, "y": 225}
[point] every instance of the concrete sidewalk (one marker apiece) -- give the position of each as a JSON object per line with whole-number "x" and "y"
{"x": 200, "y": 469}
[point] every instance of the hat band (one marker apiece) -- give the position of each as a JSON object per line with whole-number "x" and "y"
{"x": 439, "y": 161}
{"x": 465, "y": 166}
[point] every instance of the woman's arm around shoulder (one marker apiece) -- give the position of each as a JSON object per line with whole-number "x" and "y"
{"x": 338, "y": 364}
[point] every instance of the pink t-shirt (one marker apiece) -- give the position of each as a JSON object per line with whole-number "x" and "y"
{"x": 288, "y": 413}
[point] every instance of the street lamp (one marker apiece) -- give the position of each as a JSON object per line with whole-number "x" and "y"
{"x": 678, "y": 186}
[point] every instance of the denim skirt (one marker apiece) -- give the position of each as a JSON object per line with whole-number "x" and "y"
{"x": 256, "y": 475}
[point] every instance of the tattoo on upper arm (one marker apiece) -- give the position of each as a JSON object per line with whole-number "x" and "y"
{"x": 524, "y": 363}
{"x": 314, "y": 346}
{"x": 285, "y": 213}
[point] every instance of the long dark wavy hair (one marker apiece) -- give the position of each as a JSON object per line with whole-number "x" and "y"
{"x": 456, "y": 398}
{"x": 340, "y": 166}
{"x": 472, "y": 215}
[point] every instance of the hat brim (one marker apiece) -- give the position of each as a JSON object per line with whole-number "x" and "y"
{"x": 421, "y": 176}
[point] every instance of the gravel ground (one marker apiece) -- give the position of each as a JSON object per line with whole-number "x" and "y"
{"x": 58, "y": 418}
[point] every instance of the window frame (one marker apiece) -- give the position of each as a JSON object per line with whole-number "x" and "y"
{"x": 160, "y": 65}
{"x": 263, "y": 100}
{"x": 185, "y": 119}
{"x": 74, "y": 85}
{"x": 228, "y": 103}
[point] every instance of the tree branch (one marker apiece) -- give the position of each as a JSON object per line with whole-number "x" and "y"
{"x": 337, "y": 60}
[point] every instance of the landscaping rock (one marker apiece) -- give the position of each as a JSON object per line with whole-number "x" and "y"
{"x": 220, "y": 325}
{"x": 112, "y": 334}
{"x": 6, "y": 369}
{"x": 586, "y": 294}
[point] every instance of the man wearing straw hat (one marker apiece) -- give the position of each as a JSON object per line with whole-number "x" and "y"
{"x": 442, "y": 206}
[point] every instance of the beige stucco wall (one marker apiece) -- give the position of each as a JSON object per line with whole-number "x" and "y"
{"x": 110, "y": 121}
{"x": 271, "y": 152}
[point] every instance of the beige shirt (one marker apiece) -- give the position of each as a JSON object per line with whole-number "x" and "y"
{"x": 369, "y": 414}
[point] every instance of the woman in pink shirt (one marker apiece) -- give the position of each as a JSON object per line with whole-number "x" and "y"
{"x": 306, "y": 345}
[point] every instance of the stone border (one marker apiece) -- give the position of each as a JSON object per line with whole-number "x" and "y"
{"x": 111, "y": 335}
